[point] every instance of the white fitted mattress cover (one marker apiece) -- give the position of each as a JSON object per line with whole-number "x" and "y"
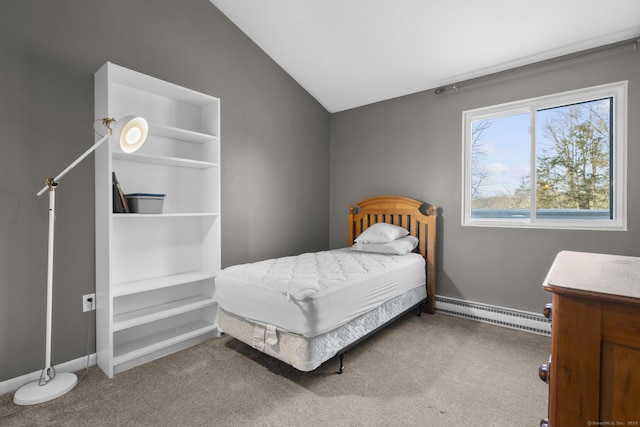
{"x": 313, "y": 293}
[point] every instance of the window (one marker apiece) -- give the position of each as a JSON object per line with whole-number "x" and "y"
{"x": 556, "y": 161}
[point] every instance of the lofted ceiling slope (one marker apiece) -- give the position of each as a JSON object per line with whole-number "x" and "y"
{"x": 349, "y": 53}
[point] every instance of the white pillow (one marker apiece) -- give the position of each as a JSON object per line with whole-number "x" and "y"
{"x": 401, "y": 246}
{"x": 381, "y": 233}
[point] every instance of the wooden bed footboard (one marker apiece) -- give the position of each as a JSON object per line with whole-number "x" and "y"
{"x": 404, "y": 212}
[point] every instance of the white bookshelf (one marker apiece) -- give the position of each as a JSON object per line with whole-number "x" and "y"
{"x": 155, "y": 272}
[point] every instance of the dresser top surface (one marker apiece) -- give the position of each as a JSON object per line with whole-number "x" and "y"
{"x": 614, "y": 275}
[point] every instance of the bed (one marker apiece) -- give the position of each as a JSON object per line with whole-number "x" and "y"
{"x": 306, "y": 309}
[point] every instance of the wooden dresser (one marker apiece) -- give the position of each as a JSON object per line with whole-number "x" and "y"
{"x": 594, "y": 368}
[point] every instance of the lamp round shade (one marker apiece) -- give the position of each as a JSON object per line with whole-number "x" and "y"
{"x": 131, "y": 132}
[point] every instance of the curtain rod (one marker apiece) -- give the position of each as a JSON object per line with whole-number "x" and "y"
{"x": 558, "y": 59}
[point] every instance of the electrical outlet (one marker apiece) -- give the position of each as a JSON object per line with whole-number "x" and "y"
{"x": 88, "y": 302}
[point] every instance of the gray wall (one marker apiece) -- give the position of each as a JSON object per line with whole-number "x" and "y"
{"x": 412, "y": 146}
{"x": 275, "y": 153}
{"x": 290, "y": 170}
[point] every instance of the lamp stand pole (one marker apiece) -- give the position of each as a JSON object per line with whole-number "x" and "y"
{"x": 50, "y": 385}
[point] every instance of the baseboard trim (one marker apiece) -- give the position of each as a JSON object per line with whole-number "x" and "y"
{"x": 501, "y": 316}
{"x": 13, "y": 384}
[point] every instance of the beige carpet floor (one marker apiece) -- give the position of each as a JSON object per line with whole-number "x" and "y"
{"x": 420, "y": 371}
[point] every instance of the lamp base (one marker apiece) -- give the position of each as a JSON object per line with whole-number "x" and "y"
{"x": 33, "y": 393}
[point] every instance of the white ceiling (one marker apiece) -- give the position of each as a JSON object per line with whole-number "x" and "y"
{"x": 348, "y": 53}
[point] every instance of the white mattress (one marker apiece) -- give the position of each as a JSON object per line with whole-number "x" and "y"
{"x": 313, "y": 293}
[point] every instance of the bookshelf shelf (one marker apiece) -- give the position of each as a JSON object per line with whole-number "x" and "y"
{"x": 164, "y": 160}
{"x": 150, "y": 344}
{"x": 134, "y": 216}
{"x": 181, "y": 134}
{"x": 145, "y": 285}
{"x": 155, "y": 273}
{"x": 162, "y": 311}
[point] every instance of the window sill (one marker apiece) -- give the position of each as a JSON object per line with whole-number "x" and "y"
{"x": 593, "y": 225}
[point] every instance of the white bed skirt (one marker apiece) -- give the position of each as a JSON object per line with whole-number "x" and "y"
{"x": 306, "y": 354}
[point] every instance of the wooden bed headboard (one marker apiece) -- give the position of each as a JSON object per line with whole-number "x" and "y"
{"x": 405, "y": 212}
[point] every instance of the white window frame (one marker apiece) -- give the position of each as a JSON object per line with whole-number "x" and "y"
{"x": 618, "y": 91}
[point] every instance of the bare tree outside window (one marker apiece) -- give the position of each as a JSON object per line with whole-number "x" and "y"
{"x": 479, "y": 172}
{"x": 500, "y": 162}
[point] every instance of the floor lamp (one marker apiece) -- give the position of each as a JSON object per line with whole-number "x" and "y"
{"x": 131, "y": 132}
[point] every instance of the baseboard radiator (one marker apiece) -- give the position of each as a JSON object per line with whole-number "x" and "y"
{"x": 501, "y": 316}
